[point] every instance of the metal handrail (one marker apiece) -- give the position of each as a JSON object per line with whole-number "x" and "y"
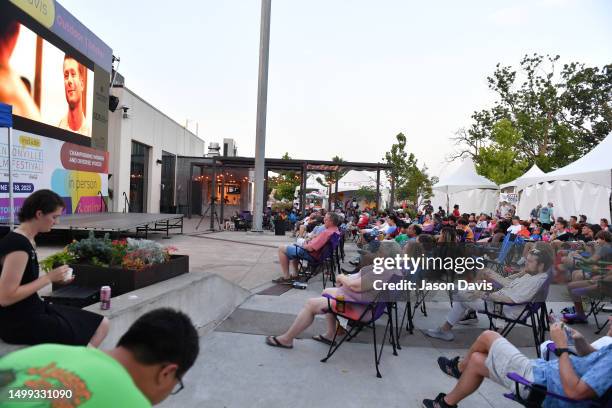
{"x": 102, "y": 202}
{"x": 126, "y": 202}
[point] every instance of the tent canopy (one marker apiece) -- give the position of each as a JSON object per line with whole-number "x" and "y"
{"x": 594, "y": 167}
{"x": 534, "y": 171}
{"x": 355, "y": 179}
{"x": 464, "y": 178}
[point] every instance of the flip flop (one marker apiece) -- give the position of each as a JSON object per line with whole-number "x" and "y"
{"x": 282, "y": 280}
{"x": 273, "y": 341}
{"x": 324, "y": 340}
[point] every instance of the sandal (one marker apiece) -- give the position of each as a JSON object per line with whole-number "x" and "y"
{"x": 273, "y": 341}
{"x": 573, "y": 318}
{"x": 282, "y": 280}
{"x": 324, "y": 340}
{"x": 450, "y": 367}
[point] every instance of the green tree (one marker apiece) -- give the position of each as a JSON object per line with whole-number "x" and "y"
{"x": 285, "y": 183}
{"x": 499, "y": 160}
{"x": 410, "y": 180}
{"x": 559, "y": 113}
{"x": 367, "y": 193}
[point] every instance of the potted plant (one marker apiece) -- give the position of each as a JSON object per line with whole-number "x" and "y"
{"x": 124, "y": 265}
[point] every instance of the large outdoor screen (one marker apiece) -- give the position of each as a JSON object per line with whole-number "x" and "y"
{"x": 54, "y": 72}
{"x": 44, "y": 83}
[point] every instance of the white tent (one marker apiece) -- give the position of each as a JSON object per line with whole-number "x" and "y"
{"x": 471, "y": 191}
{"x": 353, "y": 180}
{"x": 519, "y": 183}
{"x": 313, "y": 184}
{"x": 582, "y": 187}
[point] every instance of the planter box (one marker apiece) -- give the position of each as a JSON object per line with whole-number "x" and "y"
{"x": 127, "y": 280}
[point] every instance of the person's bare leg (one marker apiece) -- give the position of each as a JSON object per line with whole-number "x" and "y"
{"x": 475, "y": 372}
{"x": 481, "y": 345}
{"x": 100, "y": 333}
{"x": 284, "y": 261}
{"x": 303, "y": 320}
{"x": 294, "y": 262}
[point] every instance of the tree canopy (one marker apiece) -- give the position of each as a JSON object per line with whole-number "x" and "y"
{"x": 410, "y": 180}
{"x": 545, "y": 113}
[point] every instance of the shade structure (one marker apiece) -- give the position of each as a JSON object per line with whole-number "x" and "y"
{"x": 313, "y": 184}
{"x": 594, "y": 167}
{"x": 355, "y": 179}
{"x": 464, "y": 178}
{"x": 581, "y": 187}
{"x": 523, "y": 181}
{"x": 466, "y": 188}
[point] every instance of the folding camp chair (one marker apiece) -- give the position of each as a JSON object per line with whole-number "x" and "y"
{"x": 502, "y": 256}
{"x": 307, "y": 269}
{"x": 597, "y": 299}
{"x": 373, "y": 311}
{"x": 534, "y": 315}
{"x": 538, "y": 393}
{"x": 333, "y": 264}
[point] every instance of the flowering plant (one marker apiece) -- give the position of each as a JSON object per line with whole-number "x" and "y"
{"x": 127, "y": 253}
{"x": 141, "y": 253}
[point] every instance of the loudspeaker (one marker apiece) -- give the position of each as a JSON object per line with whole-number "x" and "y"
{"x": 113, "y": 102}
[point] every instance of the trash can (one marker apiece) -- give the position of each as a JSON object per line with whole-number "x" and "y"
{"x": 279, "y": 227}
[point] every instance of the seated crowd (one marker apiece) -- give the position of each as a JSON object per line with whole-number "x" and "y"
{"x": 151, "y": 358}
{"x": 548, "y": 250}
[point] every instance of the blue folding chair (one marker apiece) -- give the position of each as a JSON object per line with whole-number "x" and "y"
{"x": 538, "y": 393}
{"x": 502, "y": 256}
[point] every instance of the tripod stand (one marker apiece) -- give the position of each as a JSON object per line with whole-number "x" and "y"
{"x": 213, "y": 214}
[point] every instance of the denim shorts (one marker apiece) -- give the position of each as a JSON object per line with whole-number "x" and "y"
{"x": 294, "y": 251}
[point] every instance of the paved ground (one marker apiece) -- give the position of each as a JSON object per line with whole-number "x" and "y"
{"x": 236, "y": 368}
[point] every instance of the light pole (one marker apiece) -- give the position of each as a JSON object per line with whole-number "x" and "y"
{"x": 262, "y": 100}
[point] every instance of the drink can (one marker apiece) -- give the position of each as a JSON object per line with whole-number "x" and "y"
{"x": 105, "y": 297}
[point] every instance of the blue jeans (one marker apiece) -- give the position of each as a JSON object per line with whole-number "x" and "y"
{"x": 294, "y": 251}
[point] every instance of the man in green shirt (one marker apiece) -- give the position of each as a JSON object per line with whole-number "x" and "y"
{"x": 147, "y": 365}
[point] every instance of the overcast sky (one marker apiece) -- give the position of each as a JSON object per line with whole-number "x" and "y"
{"x": 345, "y": 75}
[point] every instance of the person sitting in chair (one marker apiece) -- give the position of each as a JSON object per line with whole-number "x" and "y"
{"x": 310, "y": 252}
{"x": 355, "y": 287}
{"x": 521, "y": 287}
{"x": 492, "y": 356}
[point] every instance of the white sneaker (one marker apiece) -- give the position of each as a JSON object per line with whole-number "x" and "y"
{"x": 440, "y": 334}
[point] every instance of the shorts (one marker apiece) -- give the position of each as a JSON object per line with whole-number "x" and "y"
{"x": 503, "y": 359}
{"x": 294, "y": 252}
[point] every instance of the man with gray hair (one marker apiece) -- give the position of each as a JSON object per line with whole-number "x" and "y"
{"x": 311, "y": 251}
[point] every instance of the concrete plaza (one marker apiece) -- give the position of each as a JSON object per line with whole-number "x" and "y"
{"x": 237, "y": 369}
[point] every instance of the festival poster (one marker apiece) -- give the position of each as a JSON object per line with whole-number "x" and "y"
{"x": 78, "y": 174}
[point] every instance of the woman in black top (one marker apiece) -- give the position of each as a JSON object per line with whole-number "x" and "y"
{"x": 24, "y": 317}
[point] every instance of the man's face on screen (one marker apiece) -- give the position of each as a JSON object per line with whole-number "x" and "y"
{"x": 73, "y": 83}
